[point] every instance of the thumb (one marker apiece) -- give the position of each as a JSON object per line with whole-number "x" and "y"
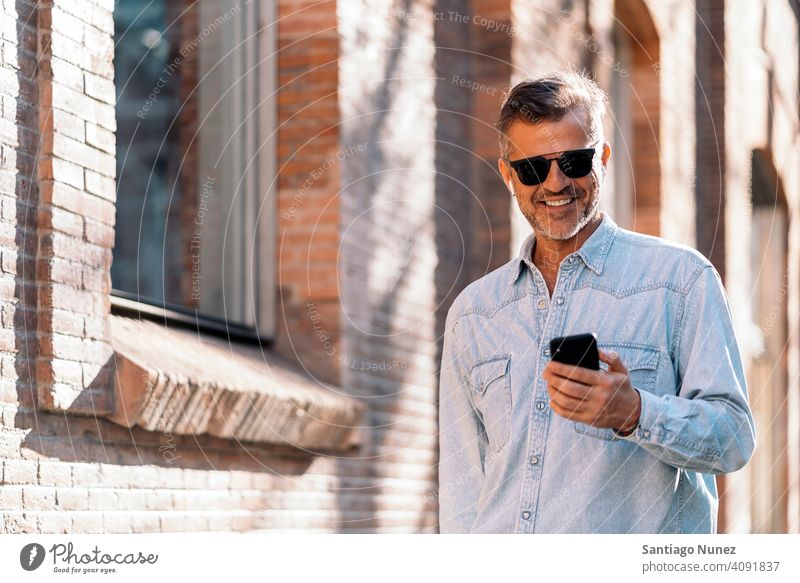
{"x": 611, "y": 358}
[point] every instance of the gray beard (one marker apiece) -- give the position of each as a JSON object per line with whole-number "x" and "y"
{"x": 589, "y": 214}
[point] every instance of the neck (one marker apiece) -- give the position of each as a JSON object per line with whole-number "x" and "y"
{"x": 548, "y": 253}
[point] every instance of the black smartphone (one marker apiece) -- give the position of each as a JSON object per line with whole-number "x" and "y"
{"x": 578, "y": 349}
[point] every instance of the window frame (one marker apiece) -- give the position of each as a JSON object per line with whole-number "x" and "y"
{"x": 260, "y": 283}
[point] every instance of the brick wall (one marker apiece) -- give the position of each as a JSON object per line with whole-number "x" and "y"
{"x": 308, "y": 181}
{"x": 72, "y": 473}
{"x": 390, "y": 227}
{"x": 380, "y": 169}
{"x": 489, "y": 73}
{"x": 76, "y": 167}
{"x": 19, "y": 191}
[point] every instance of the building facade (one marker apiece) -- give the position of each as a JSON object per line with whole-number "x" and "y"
{"x": 232, "y": 231}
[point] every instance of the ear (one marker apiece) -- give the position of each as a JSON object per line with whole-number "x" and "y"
{"x": 605, "y": 156}
{"x": 504, "y": 168}
{"x": 505, "y": 172}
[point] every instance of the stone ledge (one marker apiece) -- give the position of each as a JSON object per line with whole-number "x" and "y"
{"x": 174, "y": 380}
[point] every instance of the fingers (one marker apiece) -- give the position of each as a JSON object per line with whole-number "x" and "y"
{"x": 571, "y": 414}
{"x": 571, "y": 400}
{"x": 565, "y": 412}
{"x": 582, "y": 410}
{"x": 579, "y": 382}
{"x": 579, "y": 391}
{"x": 578, "y": 374}
{"x": 612, "y": 359}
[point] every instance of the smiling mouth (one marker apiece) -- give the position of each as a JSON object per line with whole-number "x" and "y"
{"x": 557, "y": 203}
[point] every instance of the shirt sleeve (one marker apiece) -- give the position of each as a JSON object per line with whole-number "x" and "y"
{"x": 462, "y": 443}
{"x": 707, "y": 426}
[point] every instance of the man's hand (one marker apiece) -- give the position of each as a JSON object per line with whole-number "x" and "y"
{"x": 595, "y": 397}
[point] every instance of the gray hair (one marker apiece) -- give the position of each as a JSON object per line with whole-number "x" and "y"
{"x": 550, "y": 98}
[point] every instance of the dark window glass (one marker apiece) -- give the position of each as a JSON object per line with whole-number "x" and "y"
{"x": 187, "y": 174}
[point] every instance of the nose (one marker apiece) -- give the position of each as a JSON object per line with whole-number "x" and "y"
{"x": 556, "y": 180}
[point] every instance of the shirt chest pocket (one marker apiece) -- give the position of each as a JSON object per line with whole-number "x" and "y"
{"x": 490, "y": 381}
{"x": 641, "y": 360}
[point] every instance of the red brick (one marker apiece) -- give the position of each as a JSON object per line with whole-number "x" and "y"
{"x": 117, "y": 522}
{"x": 63, "y": 221}
{"x": 87, "y": 522}
{"x": 75, "y": 154}
{"x": 86, "y": 475}
{"x": 54, "y": 473}
{"x": 20, "y": 522}
{"x": 66, "y": 197}
{"x": 55, "y": 523}
{"x": 10, "y": 497}
{"x": 159, "y": 500}
{"x": 100, "y": 138}
{"x": 73, "y": 499}
{"x": 16, "y": 471}
{"x": 131, "y": 500}
{"x": 38, "y": 498}
{"x": 145, "y": 522}
{"x": 102, "y": 499}
{"x": 60, "y": 245}
{"x": 100, "y": 234}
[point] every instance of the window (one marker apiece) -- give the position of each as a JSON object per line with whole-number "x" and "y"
{"x": 195, "y": 158}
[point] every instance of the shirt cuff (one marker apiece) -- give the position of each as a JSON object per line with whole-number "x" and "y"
{"x": 648, "y": 419}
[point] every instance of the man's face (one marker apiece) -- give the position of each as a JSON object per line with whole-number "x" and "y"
{"x": 555, "y": 222}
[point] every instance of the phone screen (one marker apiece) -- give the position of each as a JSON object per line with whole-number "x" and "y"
{"x": 577, "y": 349}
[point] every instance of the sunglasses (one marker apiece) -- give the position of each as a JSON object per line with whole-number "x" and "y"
{"x": 573, "y": 163}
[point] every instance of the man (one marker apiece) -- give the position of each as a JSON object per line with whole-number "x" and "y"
{"x": 528, "y": 445}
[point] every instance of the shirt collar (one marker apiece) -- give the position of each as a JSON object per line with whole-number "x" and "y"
{"x": 593, "y": 251}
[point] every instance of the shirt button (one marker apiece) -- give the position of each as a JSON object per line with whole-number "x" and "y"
{"x": 541, "y": 303}
{"x": 526, "y": 515}
{"x": 540, "y": 405}
{"x": 535, "y": 460}
{"x": 559, "y": 300}
{"x": 546, "y": 352}
{"x": 646, "y": 433}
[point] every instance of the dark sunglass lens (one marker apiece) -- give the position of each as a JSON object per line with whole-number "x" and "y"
{"x": 576, "y": 164}
{"x": 533, "y": 171}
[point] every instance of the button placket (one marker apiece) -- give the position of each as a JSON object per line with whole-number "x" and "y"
{"x": 554, "y": 320}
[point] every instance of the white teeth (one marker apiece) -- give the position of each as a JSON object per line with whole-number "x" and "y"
{"x": 560, "y": 202}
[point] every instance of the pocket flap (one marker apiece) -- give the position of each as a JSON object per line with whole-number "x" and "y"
{"x": 634, "y": 356}
{"x": 487, "y": 370}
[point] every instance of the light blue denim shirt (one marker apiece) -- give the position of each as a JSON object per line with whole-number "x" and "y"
{"x": 509, "y": 464}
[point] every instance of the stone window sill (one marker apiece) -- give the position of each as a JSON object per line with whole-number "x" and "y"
{"x": 177, "y": 381}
